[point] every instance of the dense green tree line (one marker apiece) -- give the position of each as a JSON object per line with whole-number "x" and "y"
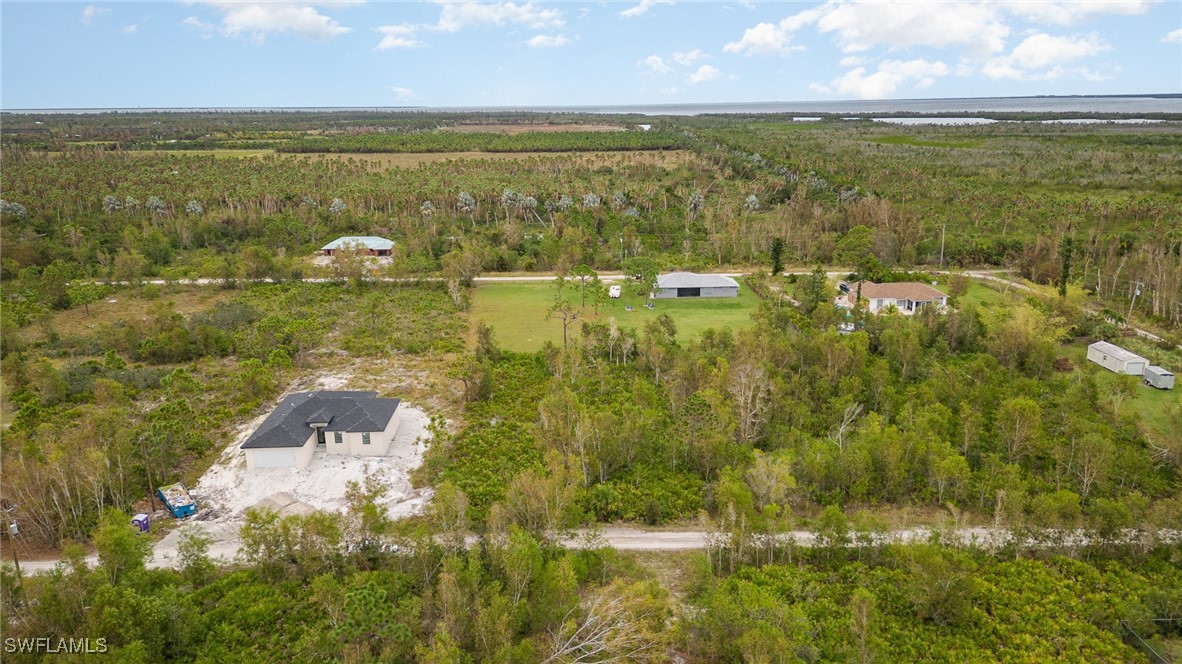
{"x": 924, "y": 603}
{"x": 320, "y": 588}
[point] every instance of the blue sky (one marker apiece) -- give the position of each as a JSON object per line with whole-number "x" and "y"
{"x": 351, "y": 53}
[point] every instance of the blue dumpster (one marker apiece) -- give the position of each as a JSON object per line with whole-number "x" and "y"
{"x": 178, "y": 500}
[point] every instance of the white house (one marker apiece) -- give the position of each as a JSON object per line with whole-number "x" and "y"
{"x": 366, "y": 245}
{"x": 357, "y": 423}
{"x": 688, "y": 284}
{"x": 1116, "y": 359}
{"x": 908, "y": 297}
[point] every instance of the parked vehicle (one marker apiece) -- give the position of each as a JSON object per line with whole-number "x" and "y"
{"x": 1158, "y": 377}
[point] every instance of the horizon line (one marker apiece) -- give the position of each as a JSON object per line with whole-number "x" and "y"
{"x": 363, "y": 107}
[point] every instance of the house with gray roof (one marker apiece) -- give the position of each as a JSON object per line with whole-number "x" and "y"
{"x": 365, "y": 245}
{"x": 342, "y": 422}
{"x": 688, "y": 284}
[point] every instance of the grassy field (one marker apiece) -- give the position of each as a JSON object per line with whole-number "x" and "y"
{"x": 127, "y": 304}
{"x": 517, "y": 312}
{"x": 981, "y": 297}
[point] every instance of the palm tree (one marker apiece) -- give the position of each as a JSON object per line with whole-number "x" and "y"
{"x": 466, "y": 204}
{"x": 696, "y": 202}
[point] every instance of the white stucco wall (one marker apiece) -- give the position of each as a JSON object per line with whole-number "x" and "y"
{"x": 304, "y": 454}
{"x": 353, "y": 442}
{"x": 281, "y": 457}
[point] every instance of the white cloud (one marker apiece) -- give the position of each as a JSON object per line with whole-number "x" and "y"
{"x": 655, "y": 63}
{"x": 1174, "y": 37}
{"x": 547, "y": 41}
{"x": 204, "y": 30}
{"x": 259, "y": 19}
{"x": 774, "y": 38}
{"x": 690, "y": 58}
{"x": 1041, "y": 56}
{"x": 398, "y": 36}
{"x": 130, "y": 29}
{"x": 459, "y": 15}
{"x": 402, "y": 93}
{"x": 90, "y": 11}
{"x": 853, "y": 61}
{"x": 703, "y": 74}
{"x": 895, "y": 24}
{"x": 891, "y": 75}
{"x": 763, "y": 39}
{"x": 643, "y": 7}
{"x": 1066, "y": 13}
{"x": 671, "y": 90}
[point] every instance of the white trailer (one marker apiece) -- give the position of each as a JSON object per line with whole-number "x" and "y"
{"x": 1116, "y": 359}
{"x": 1159, "y": 377}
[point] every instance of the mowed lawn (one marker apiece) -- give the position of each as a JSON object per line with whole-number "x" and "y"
{"x": 517, "y": 313}
{"x": 981, "y": 297}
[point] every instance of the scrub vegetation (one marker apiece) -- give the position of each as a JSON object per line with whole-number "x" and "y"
{"x": 747, "y": 418}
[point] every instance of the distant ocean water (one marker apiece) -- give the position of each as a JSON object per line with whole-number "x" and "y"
{"x": 1084, "y": 105}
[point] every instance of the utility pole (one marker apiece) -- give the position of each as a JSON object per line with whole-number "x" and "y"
{"x": 13, "y": 530}
{"x": 943, "y": 230}
{"x": 621, "y": 252}
{"x": 1136, "y": 292}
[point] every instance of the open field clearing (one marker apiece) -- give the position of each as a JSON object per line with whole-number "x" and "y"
{"x": 494, "y": 128}
{"x": 126, "y": 305}
{"x": 380, "y": 161}
{"x": 517, "y": 312}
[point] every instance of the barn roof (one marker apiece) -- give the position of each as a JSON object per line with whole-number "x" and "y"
{"x": 900, "y": 290}
{"x": 290, "y": 424}
{"x": 1112, "y": 350}
{"x": 691, "y": 280}
{"x": 364, "y": 241}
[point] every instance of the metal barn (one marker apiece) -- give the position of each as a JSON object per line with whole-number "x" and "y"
{"x": 688, "y": 284}
{"x": 1116, "y": 359}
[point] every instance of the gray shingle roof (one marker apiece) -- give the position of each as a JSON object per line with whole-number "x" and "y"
{"x": 289, "y": 424}
{"x": 691, "y": 280}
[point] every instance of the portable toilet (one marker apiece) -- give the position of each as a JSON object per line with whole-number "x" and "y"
{"x": 140, "y": 521}
{"x": 1158, "y": 377}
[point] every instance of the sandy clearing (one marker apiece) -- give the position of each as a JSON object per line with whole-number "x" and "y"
{"x": 228, "y": 488}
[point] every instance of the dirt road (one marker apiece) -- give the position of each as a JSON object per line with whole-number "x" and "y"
{"x": 224, "y": 548}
